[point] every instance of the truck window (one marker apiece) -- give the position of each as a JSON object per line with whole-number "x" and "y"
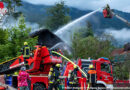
{"x": 105, "y": 67}
{"x": 85, "y": 66}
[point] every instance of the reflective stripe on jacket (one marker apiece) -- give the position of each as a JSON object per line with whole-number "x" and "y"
{"x": 54, "y": 75}
{"x": 26, "y": 51}
{"x": 72, "y": 77}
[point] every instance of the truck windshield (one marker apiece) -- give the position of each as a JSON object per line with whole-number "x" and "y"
{"x": 85, "y": 66}
{"x": 105, "y": 67}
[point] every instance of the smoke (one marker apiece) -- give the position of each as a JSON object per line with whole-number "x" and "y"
{"x": 122, "y": 36}
{"x": 10, "y": 21}
{"x": 34, "y": 26}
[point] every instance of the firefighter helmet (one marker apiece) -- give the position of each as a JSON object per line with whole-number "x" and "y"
{"x": 25, "y": 43}
{"x": 91, "y": 66}
{"x": 23, "y": 68}
{"x": 58, "y": 65}
{"x": 51, "y": 69}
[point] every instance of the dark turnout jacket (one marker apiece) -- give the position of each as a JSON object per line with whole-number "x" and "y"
{"x": 92, "y": 76}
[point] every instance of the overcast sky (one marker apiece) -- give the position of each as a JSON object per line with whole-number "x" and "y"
{"x": 123, "y": 5}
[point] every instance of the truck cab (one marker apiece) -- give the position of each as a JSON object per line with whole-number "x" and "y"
{"x": 103, "y": 68}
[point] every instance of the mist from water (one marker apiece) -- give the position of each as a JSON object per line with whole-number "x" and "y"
{"x": 65, "y": 31}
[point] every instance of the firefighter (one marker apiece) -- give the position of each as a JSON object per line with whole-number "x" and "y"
{"x": 53, "y": 77}
{"x": 26, "y": 53}
{"x": 92, "y": 77}
{"x": 109, "y": 14}
{"x": 73, "y": 80}
{"x": 23, "y": 78}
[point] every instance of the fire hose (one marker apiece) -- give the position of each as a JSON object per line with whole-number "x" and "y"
{"x": 73, "y": 64}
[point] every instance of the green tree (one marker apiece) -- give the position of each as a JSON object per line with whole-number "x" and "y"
{"x": 16, "y": 37}
{"x": 3, "y": 36}
{"x": 91, "y": 46}
{"x": 85, "y": 31}
{"x": 121, "y": 69}
{"x": 89, "y": 30}
{"x": 20, "y": 34}
{"x": 57, "y": 16}
{"x": 4, "y": 46}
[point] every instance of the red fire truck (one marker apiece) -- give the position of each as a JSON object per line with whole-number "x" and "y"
{"x": 39, "y": 62}
{"x": 42, "y": 60}
{"x": 39, "y": 66}
{"x": 104, "y": 72}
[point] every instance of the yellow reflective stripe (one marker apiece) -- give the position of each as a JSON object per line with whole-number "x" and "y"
{"x": 71, "y": 82}
{"x": 50, "y": 73}
{"x": 25, "y": 53}
{"x": 50, "y": 82}
{"x": 88, "y": 86}
{"x": 9, "y": 60}
{"x": 69, "y": 75}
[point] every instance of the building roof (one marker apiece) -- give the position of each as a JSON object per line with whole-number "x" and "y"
{"x": 46, "y": 37}
{"x": 117, "y": 51}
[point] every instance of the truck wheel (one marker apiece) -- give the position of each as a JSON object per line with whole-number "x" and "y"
{"x": 39, "y": 86}
{"x": 101, "y": 87}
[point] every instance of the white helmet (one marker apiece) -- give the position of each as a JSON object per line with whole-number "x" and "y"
{"x": 23, "y": 68}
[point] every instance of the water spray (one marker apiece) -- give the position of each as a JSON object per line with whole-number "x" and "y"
{"x": 61, "y": 30}
{"x": 64, "y": 32}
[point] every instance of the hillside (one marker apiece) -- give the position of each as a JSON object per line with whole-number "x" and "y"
{"x": 38, "y": 14}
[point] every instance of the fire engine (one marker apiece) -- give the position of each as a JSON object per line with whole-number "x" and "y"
{"x": 39, "y": 69}
{"x": 102, "y": 66}
{"x": 39, "y": 66}
{"x": 39, "y": 63}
